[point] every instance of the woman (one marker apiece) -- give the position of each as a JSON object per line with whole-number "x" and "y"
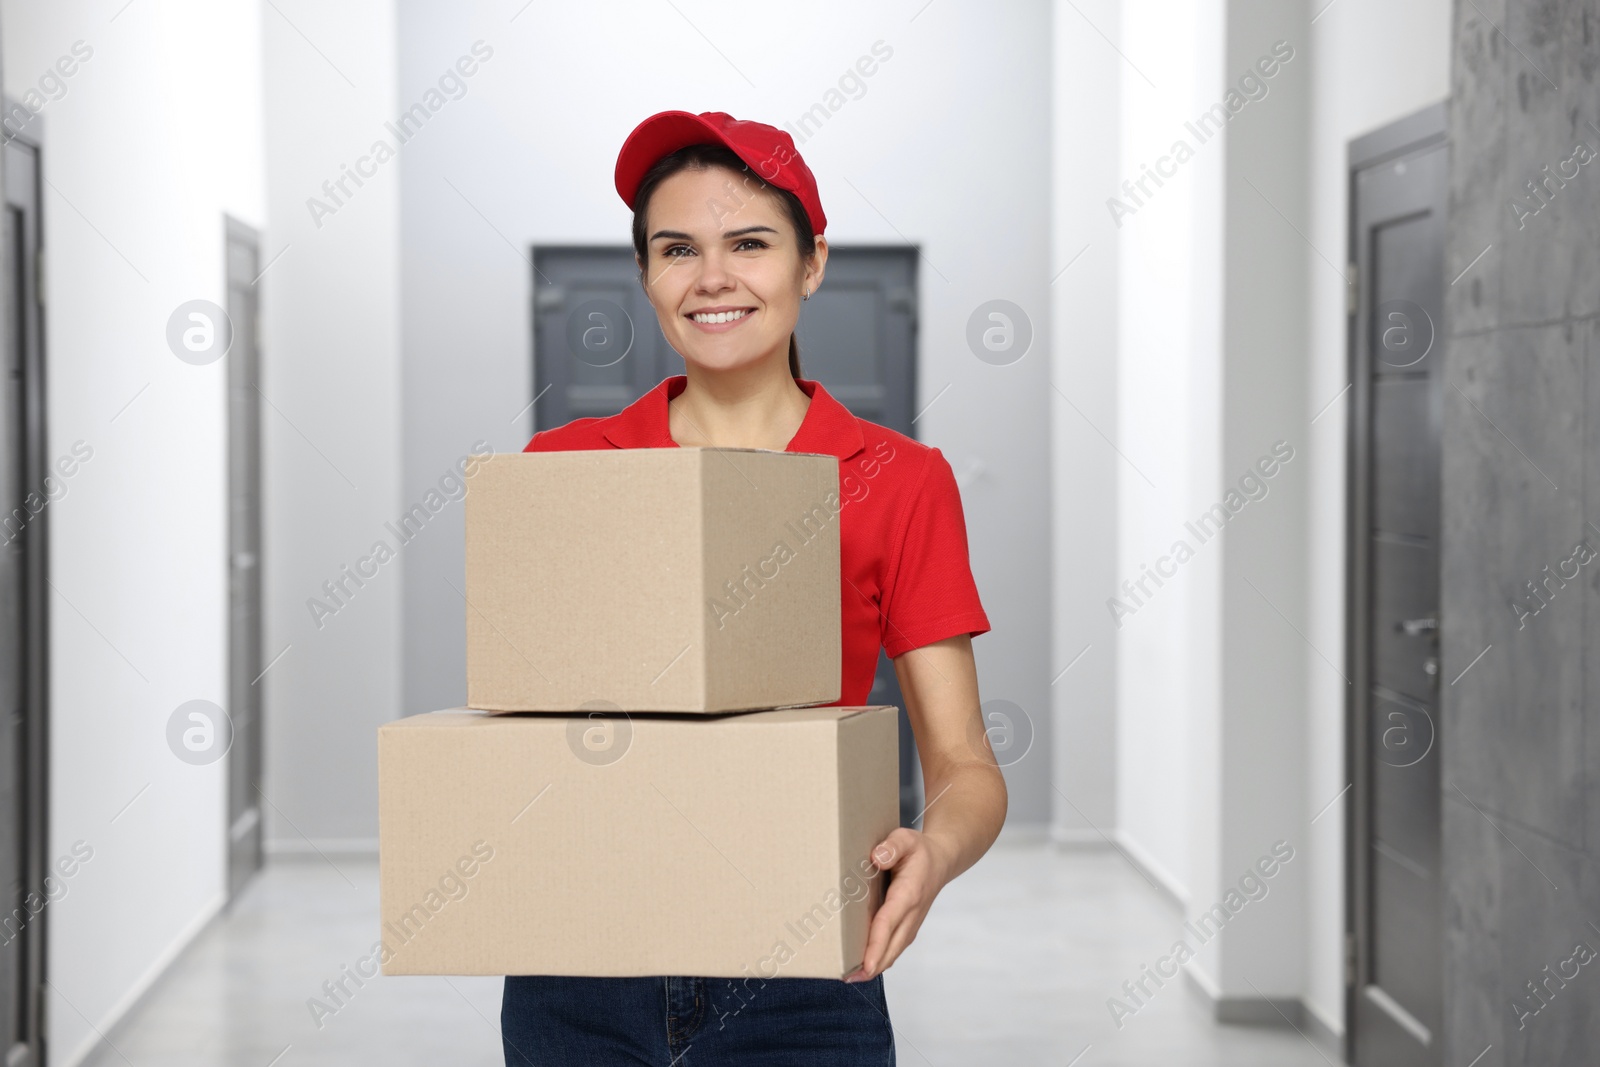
{"x": 727, "y": 233}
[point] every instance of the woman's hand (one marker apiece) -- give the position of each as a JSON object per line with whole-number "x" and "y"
{"x": 966, "y": 791}
{"x": 921, "y": 869}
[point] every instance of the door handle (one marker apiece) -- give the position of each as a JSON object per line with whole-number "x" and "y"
{"x": 1413, "y": 627}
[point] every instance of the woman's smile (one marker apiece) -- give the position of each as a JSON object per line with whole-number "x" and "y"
{"x": 720, "y": 320}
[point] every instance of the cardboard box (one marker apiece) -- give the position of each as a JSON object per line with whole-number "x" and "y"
{"x": 660, "y": 579}
{"x": 681, "y": 845}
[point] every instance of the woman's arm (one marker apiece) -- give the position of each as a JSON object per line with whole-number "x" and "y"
{"x": 966, "y": 796}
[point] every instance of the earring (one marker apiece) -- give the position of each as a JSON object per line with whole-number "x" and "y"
{"x": 808, "y": 294}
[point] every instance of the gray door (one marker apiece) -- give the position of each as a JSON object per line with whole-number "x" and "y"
{"x": 1398, "y": 189}
{"x": 243, "y": 247}
{"x": 23, "y": 623}
{"x": 598, "y": 347}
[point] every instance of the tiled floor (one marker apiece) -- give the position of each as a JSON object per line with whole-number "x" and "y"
{"x": 1013, "y": 967}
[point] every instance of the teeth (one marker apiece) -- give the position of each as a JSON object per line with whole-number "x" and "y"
{"x": 720, "y": 316}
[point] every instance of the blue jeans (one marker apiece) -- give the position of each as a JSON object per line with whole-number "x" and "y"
{"x": 558, "y": 1021}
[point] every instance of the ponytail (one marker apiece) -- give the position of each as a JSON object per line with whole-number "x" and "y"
{"x": 794, "y": 356}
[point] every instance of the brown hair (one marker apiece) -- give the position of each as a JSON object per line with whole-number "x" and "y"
{"x": 699, "y": 157}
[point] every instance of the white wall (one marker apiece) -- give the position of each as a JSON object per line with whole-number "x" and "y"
{"x": 157, "y": 135}
{"x": 945, "y": 149}
{"x": 1083, "y": 417}
{"x": 331, "y": 370}
{"x": 1210, "y": 745}
{"x": 1372, "y": 63}
{"x": 1263, "y": 603}
{"x": 1168, "y": 421}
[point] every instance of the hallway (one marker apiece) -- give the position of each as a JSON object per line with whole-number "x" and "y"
{"x": 1231, "y": 376}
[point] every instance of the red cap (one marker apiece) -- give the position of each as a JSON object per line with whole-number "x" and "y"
{"x": 769, "y": 151}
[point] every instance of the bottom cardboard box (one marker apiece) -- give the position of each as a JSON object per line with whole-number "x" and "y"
{"x": 725, "y": 846}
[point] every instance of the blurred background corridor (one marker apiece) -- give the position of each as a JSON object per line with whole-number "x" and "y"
{"x": 1263, "y": 338}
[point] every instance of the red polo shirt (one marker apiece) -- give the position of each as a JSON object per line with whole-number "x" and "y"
{"x": 905, "y": 576}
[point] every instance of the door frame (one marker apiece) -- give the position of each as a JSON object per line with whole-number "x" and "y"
{"x": 36, "y": 655}
{"x": 245, "y": 852}
{"x": 1421, "y": 129}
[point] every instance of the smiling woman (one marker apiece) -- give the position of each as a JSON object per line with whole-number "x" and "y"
{"x": 727, "y": 235}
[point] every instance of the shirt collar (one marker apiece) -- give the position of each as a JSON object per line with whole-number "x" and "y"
{"x": 828, "y": 426}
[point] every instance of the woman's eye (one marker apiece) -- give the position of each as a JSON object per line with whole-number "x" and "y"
{"x": 672, "y": 251}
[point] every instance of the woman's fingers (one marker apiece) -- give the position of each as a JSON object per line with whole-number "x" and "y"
{"x": 901, "y": 903}
{"x": 878, "y": 935}
{"x": 904, "y": 933}
{"x": 911, "y": 903}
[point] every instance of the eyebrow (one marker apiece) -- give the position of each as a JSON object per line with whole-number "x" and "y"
{"x": 680, "y": 235}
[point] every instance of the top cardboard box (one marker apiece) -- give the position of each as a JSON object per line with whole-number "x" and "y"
{"x": 659, "y": 579}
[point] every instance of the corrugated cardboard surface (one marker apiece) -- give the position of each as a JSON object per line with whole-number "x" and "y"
{"x": 670, "y": 579}
{"x": 770, "y": 578}
{"x": 725, "y": 846}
